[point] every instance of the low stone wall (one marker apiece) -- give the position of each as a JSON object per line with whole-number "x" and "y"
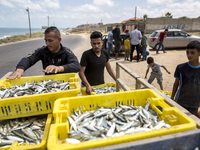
{"x": 188, "y": 25}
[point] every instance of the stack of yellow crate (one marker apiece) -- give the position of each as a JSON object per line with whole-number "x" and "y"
{"x": 63, "y": 107}
{"x": 38, "y": 104}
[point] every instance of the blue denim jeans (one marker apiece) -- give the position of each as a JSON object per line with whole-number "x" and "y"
{"x": 161, "y": 44}
{"x": 109, "y": 48}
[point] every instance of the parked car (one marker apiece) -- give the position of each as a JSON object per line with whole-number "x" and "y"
{"x": 176, "y": 38}
{"x": 105, "y": 43}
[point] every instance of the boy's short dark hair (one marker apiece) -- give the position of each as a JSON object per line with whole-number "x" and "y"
{"x": 150, "y": 60}
{"x": 166, "y": 29}
{"x": 95, "y": 35}
{"x": 194, "y": 45}
{"x": 52, "y": 29}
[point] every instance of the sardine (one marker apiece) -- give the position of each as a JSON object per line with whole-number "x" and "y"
{"x": 33, "y": 88}
{"x": 114, "y": 121}
{"x": 72, "y": 123}
{"x": 22, "y": 130}
{"x": 111, "y": 130}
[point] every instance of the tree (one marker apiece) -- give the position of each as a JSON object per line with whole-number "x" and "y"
{"x": 168, "y": 15}
{"x": 184, "y": 17}
{"x": 145, "y": 16}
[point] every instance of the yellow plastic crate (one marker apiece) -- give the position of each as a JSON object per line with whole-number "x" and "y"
{"x": 83, "y": 90}
{"x": 6, "y": 148}
{"x": 63, "y": 106}
{"x": 178, "y": 120}
{"x": 166, "y": 92}
{"x": 41, "y": 146}
{"x": 37, "y": 104}
{"x": 71, "y": 77}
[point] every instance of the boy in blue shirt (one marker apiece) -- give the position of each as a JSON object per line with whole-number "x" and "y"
{"x": 188, "y": 80}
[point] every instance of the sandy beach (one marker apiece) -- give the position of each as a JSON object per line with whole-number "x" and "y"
{"x": 170, "y": 60}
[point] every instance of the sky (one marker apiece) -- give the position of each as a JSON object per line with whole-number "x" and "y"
{"x": 71, "y": 13}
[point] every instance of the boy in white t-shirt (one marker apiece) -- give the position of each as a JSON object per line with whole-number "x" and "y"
{"x": 156, "y": 72}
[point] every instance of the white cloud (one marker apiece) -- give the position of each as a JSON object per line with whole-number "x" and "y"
{"x": 157, "y": 8}
{"x": 72, "y": 13}
{"x": 40, "y": 5}
{"x": 109, "y": 3}
{"x": 6, "y": 3}
{"x": 86, "y": 8}
{"x": 160, "y": 2}
{"x": 53, "y": 4}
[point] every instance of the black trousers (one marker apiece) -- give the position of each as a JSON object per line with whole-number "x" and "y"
{"x": 132, "y": 50}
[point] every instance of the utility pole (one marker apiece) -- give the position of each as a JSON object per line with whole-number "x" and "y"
{"x": 135, "y": 13}
{"x": 29, "y": 20}
{"x": 48, "y": 20}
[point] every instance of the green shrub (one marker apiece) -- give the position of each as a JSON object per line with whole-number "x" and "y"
{"x": 16, "y": 38}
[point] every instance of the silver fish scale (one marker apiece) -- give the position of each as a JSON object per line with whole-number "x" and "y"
{"x": 113, "y": 121}
{"x": 105, "y": 89}
{"x": 24, "y": 130}
{"x": 34, "y": 88}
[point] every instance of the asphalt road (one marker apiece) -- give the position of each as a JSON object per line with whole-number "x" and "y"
{"x": 11, "y": 54}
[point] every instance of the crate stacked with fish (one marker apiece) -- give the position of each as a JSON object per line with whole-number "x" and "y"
{"x": 167, "y": 93}
{"x": 29, "y": 96}
{"x": 25, "y": 133}
{"x": 101, "y": 89}
{"x": 112, "y": 119}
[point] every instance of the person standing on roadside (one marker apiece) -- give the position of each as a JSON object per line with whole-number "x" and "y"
{"x": 110, "y": 42}
{"x": 93, "y": 62}
{"x": 127, "y": 33}
{"x": 127, "y": 48}
{"x": 144, "y": 46}
{"x": 117, "y": 38}
{"x": 54, "y": 56}
{"x": 135, "y": 36}
{"x": 161, "y": 40}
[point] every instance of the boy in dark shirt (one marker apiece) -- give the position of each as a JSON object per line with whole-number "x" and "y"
{"x": 188, "y": 80}
{"x": 93, "y": 62}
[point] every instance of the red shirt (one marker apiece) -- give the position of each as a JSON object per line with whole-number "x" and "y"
{"x": 162, "y": 36}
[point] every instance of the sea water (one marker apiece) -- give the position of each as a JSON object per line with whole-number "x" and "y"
{"x": 6, "y": 32}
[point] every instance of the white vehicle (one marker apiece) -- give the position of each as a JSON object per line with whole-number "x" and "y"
{"x": 176, "y": 38}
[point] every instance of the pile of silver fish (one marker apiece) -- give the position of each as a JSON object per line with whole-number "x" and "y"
{"x": 111, "y": 122}
{"x": 24, "y": 130}
{"x": 33, "y": 88}
{"x": 167, "y": 94}
{"x": 105, "y": 89}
